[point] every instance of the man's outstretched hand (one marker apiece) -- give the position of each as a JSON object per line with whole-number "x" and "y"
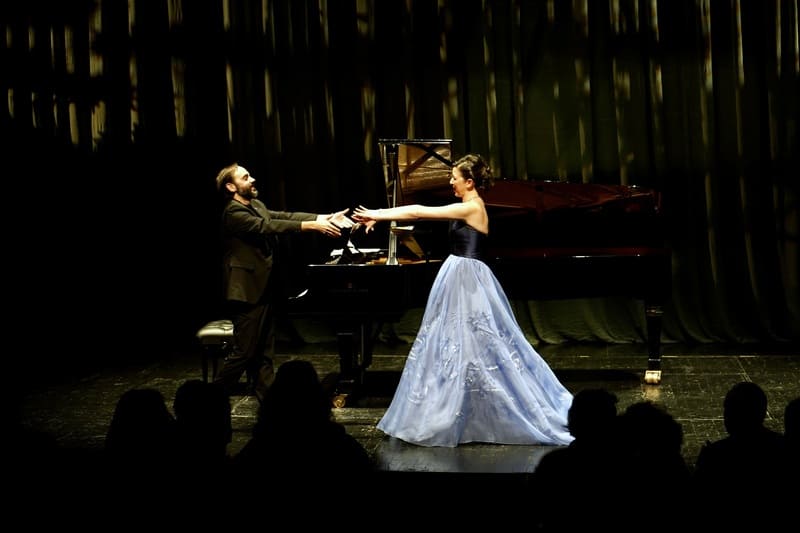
{"x": 340, "y": 219}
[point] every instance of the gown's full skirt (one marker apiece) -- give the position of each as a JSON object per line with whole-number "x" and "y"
{"x": 471, "y": 375}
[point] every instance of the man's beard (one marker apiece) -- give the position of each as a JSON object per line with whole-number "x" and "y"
{"x": 249, "y": 194}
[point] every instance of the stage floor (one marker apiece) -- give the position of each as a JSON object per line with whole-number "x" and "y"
{"x": 75, "y": 411}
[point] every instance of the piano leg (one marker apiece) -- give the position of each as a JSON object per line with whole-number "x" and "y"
{"x": 355, "y": 356}
{"x": 653, "y": 314}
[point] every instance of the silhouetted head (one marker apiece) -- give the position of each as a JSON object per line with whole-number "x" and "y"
{"x": 141, "y": 424}
{"x": 296, "y": 397}
{"x": 651, "y": 430}
{"x": 593, "y": 412}
{"x": 744, "y": 408}
{"x": 203, "y": 411}
{"x": 187, "y": 397}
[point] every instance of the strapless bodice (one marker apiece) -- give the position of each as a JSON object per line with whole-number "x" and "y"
{"x": 466, "y": 241}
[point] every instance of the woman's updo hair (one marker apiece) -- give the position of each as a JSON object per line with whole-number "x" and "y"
{"x": 474, "y": 167}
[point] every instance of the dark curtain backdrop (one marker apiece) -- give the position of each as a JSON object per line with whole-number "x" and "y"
{"x": 119, "y": 114}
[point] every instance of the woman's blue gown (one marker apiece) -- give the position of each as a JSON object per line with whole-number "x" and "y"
{"x": 471, "y": 374}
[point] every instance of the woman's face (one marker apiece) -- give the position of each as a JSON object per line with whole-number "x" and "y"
{"x": 458, "y": 183}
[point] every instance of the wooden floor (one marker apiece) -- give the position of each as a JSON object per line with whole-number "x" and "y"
{"x": 76, "y": 410}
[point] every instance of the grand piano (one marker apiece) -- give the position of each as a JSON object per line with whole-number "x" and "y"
{"x": 548, "y": 240}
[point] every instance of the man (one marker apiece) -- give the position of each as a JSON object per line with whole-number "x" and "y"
{"x": 250, "y": 245}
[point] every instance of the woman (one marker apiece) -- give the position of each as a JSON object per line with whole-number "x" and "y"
{"x": 471, "y": 375}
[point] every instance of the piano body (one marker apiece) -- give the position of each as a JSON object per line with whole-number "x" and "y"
{"x": 548, "y": 240}
{"x": 359, "y": 292}
{"x": 560, "y": 240}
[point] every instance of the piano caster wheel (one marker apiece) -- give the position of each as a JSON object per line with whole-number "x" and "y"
{"x": 652, "y": 377}
{"x": 339, "y": 400}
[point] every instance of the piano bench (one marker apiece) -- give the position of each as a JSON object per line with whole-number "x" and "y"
{"x": 215, "y": 338}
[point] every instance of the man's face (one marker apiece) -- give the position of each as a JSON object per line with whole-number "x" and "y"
{"x": 243, "y": 182}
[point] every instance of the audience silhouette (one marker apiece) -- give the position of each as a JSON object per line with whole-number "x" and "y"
{"x": 621, "y": 471}
{"x": 297, "y": 448}
{"x": 574, "y": 487}
{"x": 204, "y": 431}
{"x": 140, "y": 456}
{"x": 202, "y": 468}
{"x": 651, "y": 442}
{"x": 738, "y": 477}
{"x": 142, "y": 434}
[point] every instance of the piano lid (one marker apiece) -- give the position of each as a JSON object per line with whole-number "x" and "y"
{"x": 410, "y": 167}
{"x": 552, "y": 214}
{"x": 546, "y": 196}
{"x": 413, "y": 165}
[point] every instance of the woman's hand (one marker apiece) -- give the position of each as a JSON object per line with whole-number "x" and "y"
{"x": 367, "y": 217}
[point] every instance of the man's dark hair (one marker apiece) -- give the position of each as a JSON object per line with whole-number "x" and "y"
{"x": 225, "y": 176}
